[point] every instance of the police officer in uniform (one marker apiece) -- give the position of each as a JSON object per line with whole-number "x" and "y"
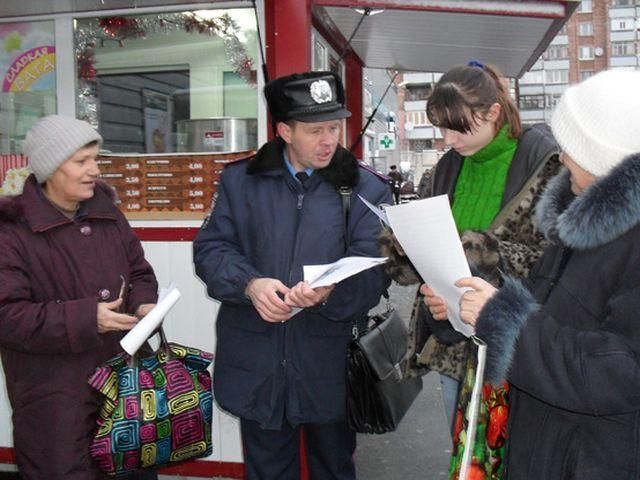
{"x": 281, "y": 345}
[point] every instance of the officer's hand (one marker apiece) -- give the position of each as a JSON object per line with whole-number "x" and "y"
{"x": 436, "y": 305}
{"x": 110, "y": 320}
{"x": 263, "y": 293}
{"x": 303, "y": 296}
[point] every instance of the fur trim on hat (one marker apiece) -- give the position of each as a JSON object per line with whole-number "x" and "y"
{"x": 306, "y": 97}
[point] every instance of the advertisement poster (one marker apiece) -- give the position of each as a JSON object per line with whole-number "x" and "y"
{"x": 27, "y": 57}
{"x": 157, "y": 122}
{"x": 27, "y": 81}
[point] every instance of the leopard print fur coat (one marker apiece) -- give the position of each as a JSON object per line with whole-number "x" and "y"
{"x": 510, "y": 246}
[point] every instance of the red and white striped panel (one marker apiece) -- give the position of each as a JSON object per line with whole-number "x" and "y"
{"x": 9, "y": 161}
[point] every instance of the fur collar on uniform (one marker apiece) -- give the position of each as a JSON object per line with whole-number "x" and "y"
{"x": 341, "y": 172}
{"x": 603, "y": 212}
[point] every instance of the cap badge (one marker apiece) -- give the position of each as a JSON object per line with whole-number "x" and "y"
{"x": 320, "y": 91}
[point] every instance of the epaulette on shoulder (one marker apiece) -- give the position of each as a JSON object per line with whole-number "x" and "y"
{"x": 245, "y": 158}
{"x": 371, "y": 170}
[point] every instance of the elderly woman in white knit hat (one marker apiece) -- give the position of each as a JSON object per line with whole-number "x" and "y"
{"x": 73, "y": 278}
{"x": 569, "y": 341}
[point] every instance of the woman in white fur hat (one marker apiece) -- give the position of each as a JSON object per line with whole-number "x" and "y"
{"x": 569, "y": 341}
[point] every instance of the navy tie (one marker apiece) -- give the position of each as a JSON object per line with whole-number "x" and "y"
{"x": 303, "y": 177}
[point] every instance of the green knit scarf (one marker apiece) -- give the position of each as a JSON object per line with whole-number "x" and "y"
{"x": 481, "y": 183}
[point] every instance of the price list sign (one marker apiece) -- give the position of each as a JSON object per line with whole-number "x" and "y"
{"x": 171, "y": 186}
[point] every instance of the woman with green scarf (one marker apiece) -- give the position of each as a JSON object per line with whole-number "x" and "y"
{"x": 493, "y": 174}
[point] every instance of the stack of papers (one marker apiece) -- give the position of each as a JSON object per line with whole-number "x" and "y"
{"x": 428, "y": 235}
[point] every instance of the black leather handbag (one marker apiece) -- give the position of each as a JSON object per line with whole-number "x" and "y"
{"x": 378, "y": 396}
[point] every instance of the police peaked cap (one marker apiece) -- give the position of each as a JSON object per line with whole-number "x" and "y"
{"x": 306, "y": 97}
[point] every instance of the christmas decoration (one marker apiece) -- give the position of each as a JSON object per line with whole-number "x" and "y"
{"x": 85, "y": 61}
{"x": 89, "y": 34}
{"x": 121, "y": 28}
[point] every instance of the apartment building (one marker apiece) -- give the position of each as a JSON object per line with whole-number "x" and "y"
{"x": 600, "y": 34}
{"x": 420, "y": 142}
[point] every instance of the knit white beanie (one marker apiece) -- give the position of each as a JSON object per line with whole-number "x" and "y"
{"x": 52, "y": 140}
{"x": 597, "y": 121}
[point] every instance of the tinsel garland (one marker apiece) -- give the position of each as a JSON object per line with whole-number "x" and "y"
{"x": 95, "y": 32}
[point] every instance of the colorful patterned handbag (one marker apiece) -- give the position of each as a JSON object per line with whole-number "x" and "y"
{"x": 157, "y": 410}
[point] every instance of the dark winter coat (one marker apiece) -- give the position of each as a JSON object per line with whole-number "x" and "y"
{"x": 53, "y": 273}
{"x": 265, "y": 224}
{"x": 571, "y": 343}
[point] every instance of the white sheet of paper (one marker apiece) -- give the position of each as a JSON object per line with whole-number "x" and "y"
{"x": 139, "y": 334}
{"x": 380, "y": 213}
{"x": 330, "y": 273}
{"x": 427, "y": 232}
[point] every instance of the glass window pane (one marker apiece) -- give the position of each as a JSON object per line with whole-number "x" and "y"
{"x": 585, "y": 29}
{"x": 585, "y": 6}
{"x": 153, "y": 83}
{"x": 319, "y": 56}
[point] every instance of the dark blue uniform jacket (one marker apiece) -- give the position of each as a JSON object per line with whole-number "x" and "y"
{"x": 265, "y": 224}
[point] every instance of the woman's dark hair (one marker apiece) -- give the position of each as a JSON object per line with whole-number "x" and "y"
{"x": 464, "y": 95}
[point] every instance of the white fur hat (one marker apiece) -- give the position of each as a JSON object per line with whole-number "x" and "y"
{"x": 597, "y": 121}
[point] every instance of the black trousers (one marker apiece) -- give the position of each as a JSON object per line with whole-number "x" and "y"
{"x": 275, "y": 454}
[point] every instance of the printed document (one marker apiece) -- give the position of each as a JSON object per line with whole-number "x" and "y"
{"x": 330, "y": 273}
{"x": 427, "y": 232}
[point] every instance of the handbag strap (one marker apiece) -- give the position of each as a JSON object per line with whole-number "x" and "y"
{"x": 345, "y": 196}
{"x": 134, "y": 360}
{"x": 355, "y": 332}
